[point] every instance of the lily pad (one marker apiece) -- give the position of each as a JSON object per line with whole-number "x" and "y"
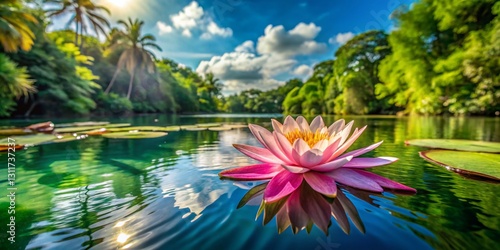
{"x": 134, "y": 135}
{"x": 28, "y": 139}
{"x": 143, "y": 128}
{"x": 81, "y": 124}
{"x": 483, "y": 165}
{"x": 15, "y": 131}
{"x": 9, "y": 149}
{"x": 222, "y": 128}
{"x": 192, "y": 128}
{"x": 172, "y": 128}
{"x": 461, "y": 145}
{"x": 208, "y": 125}
{"x": 90, "y": 128}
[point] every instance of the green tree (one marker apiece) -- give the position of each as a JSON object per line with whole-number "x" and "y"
{"x": 15, "y": 31}
{"x": 14, "y": 83}
{"x": 356, "y": 71}
{"x": 84, "y": 13}
{"x": 136, "y": 56}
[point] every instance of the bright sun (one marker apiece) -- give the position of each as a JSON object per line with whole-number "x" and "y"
{"x": 119, "y": 3}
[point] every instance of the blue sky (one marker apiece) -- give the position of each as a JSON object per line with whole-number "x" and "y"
{"x": 254, "y": 43}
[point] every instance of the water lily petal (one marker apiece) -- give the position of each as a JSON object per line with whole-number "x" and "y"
{"x": 328, "y": 152}
{"x": 340, "y": 216}
{"x": 346, "y": 130}
{"x": 253, "y": 172}
{"x": 321, "y": 145}
{"x": 335, "y": 127}
{"x": 281, "y": 185}
{"x": 259, "y": 154}
{"x": 299, "y": 148}
{"x": 295, "y": 169}
{"x": 298, "y": 217}
{"x": 282, "y": 220}
{"x": 369, "y": 162}
{"x": 348, "y": 143}
{"x": 316, "y": 206}
{"x": 384, "y": 182}
{"x": 317, "y": 123}
{"x": 354, "y": 179}
{"x": 322, "y": 183}
{"x": 364, "y": 150}
{"x": 351, "y": 210}
{"x": 311, "y": 158}
{"x": 277, "y": 126}
{"x": 303, "y": 124}
{"x": 273, "y": 146}
{"x": 284, "y": 144}
{"x": 332, "y": 165}
{"x": 259, "y": 132}
{"x": 290, "y": 125}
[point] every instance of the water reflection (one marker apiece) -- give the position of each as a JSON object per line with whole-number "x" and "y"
{"x": 305, "y": 207}
{"x": 165, "y": 194}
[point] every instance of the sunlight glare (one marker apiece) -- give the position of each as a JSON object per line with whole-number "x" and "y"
{"x": 119, "y": 3}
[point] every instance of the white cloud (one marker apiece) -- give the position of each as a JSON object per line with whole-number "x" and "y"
{"x": 192, "y": 19}
{"x": 303, "y": 71}
{"x": 164, "y": 28}
{"x": 298, "y": 41}
{"x": 256, "y": 66}
{"x": 187, "y": 33}
{"x": 341, "y": 38}
{"x": 247, "y": 46}
{"x": 188, "y": 17}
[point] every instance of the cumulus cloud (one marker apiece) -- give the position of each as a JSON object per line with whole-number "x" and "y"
{"x": 298, "y": 41}
{"x": 246, "y": 46}
{"x": 193, "y": 19}
{"x": 256, "y": 66}
{"x": 303, "y": 71}
{"x": 341, "y": 38}
{"x": 164, "y": 28}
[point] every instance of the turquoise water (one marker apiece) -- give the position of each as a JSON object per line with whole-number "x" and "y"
{"x": 165, "y": 193}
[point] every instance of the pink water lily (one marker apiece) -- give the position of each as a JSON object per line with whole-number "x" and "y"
{"x": 297, "y": 151}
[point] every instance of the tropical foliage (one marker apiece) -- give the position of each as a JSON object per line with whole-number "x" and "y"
{"x": 441, "y": 58}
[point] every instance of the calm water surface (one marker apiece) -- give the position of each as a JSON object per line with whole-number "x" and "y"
{"x": 165, "y": 193}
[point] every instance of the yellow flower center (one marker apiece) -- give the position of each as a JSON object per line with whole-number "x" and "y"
{"x": 309, "y": 137}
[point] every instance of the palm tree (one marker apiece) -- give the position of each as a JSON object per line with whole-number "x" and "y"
{"x": 212, "y": 85}
{"x": 136, "y": 55}
{"x": 83, "y": 12}
{"x": 15, "y": 32}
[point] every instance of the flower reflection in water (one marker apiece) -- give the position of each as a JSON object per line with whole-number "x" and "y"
{"x": 306, "y": 207}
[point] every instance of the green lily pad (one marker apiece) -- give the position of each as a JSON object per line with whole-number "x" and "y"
{"x": 134, "y": 135}
{"x": 28, "y": 139}
{"x": 172, "y": 128}
{"x": 222, "y": 128}
{"x": 461, "y": 145}
{"x": 81, "y": 124}
{"x": 208, "y": 125}
{"x": 90, "y": 128}
{"x": 15, "y": 131}
{"x": 192, "y": 128}
{"x": 142, "y": 128}
{"x": 483, "y": 165}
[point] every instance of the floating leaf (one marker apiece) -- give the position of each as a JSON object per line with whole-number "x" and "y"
{"x": 192, "y": 128}
{"x": 28, "y": 140}
{"x": 134, "y": 135}
{"x": 208, "y": 125}
{"x": 142, "y": 128}
{"x": 172, "y": 128}
{"x": 461, "y": 145}
{"x": 5, "y": 148}
{"x": 15, "y": 131}
{"x": 81, "y": 124}
{"x": 468, "y": 163}
{"x": 90, "y": 128}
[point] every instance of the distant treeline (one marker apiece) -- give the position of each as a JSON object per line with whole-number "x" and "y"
{"x": 441, "y": 58}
